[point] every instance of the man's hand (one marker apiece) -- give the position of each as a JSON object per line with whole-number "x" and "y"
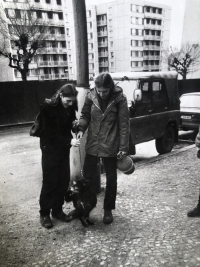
{"x": 75, "y": 142}
{"x": 79, "y": 134}
{"x": 121, "y": 154}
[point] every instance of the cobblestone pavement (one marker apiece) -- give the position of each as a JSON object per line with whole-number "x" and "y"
{"x": 150, "y": 225}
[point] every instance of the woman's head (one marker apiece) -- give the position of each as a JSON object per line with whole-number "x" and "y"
{"x": 68, "y": 94}
{"x": 104, "y": 84}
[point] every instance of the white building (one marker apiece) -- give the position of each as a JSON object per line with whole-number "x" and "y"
{"x": 126, "y": 35}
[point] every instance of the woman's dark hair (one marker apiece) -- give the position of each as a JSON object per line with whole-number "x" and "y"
{"x": 68, "y": 90}
{"x": 104, "y": 80}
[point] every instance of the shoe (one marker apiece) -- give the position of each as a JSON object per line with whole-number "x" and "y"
{"x": 46, "y": 221}
{"x": 195, "y": 212}
{"x": 61, "y": 216}
{"x": 107, "y": 218}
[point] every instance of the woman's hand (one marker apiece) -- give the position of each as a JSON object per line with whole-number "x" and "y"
{"x": 75, "y": 142}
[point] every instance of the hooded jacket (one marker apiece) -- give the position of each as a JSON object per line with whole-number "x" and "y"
{"x": 108, "y": 131}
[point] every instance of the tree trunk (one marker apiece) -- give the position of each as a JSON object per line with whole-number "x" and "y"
{"x": 24, "y": 75}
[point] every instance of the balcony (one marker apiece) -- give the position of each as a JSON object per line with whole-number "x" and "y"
{"x": 152, "y": 37}
{"x": 136, "y": 58}
{"x": 102, "y": 44}
{"x": 53, "y": 76}
{"x": 153, "y": 15}
{"x": 152, "y": 26}
{"x": 101, "y": 22}
{"x": 136, "y": 68}
{"x": 151, "y": 47}
{"x": 52, "y": 50}
{"x": 103, "y": 54}
{"x": 58, "y": 37}
{"x": 52, "y": 22}
{"x": 42, "y": 64}
{"x": 102, "y": 33}
{"x": 44, "y": 6}
{"x": 103, "y": 64}
{"x": 151, "y": 67}
{"x": 151, "y": 57}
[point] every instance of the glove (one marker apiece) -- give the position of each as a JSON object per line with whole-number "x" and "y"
{"x": 121, "y": 154}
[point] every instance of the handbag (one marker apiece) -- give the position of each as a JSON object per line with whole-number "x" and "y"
{"x": 36, "y": 128}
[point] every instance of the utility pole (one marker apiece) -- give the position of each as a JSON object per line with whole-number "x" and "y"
{"x": 80, "y": 25}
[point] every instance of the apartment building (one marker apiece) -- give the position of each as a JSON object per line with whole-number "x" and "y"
{"x": 125, "y": 35}
{"x": 50, "y": 62}
{"x": 131, "y": 36}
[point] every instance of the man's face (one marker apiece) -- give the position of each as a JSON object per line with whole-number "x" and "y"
{"x": 103, "y": 92}
{"x": 67, "y": 101}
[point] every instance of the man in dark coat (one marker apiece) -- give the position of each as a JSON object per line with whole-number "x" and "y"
{"x": 105, "y": 114}
{"x": 58, "y": 119}
{"x": 196, "y": 211}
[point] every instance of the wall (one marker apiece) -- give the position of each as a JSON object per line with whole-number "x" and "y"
{"x": 20, "y": 101}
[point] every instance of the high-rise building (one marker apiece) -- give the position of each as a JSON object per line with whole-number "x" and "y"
{"x": 126, "y": 35}
{"x": 191, "y": 31}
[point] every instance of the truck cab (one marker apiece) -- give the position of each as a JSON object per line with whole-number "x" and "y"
{"x": 154, "y": 107}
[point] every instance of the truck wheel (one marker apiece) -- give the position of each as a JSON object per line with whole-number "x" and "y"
{"x": 165, "y": 143}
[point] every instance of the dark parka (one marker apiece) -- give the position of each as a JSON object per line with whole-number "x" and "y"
{"x": 108, "y": 132}
{"x": 57, "y": 125}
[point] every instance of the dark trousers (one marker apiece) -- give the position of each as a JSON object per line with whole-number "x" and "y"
{"x": 56, "y": 177}
{"x": 110, "y": 164}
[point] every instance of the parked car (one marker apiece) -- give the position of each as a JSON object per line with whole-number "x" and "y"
{"x": 154, "y": 106}
{"x": 190, "y": 111}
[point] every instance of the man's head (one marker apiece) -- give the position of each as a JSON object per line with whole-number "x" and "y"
{"x": 104, "y": 84}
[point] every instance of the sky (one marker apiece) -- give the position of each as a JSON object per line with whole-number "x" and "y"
{"x": 177, "y": 15}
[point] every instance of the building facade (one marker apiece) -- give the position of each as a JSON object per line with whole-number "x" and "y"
{"x": 191, "y": 31}
{"x": 126, "y": 35}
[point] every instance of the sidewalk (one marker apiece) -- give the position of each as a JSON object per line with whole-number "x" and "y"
{"x": 150, "y": 225}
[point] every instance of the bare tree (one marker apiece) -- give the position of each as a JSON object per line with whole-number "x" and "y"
{"x": 184, "y": 60}
{"x": 24, "y": 32}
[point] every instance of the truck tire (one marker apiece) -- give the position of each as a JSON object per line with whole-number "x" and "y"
{"x": 165, "y": 143}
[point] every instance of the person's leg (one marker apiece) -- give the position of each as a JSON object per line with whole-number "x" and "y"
{"x": 90, "y": 169}
{"x": 62, "y": 186}
{"x": 196, "y": 211}
{"x": 110, "y": 165}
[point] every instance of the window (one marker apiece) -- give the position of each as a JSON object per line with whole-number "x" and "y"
{"x": 67, "y": 31}
{"x": 70, "y": 58}
{"x": 37, "y": 1}
{"x": 89, "y": 25}
{"x": 71, "y": 70}
{"x": 50, "y": 15}
{"x": 112, "y": 64}
{"x": 90, "y": 36}
{"x": 110, "y": 10}
{"x": 48, "y": 1}
{"x": 112, "y": 54}
{"x": 39, "y": 14}
{"x": 60, "y": 16}
{"x": 58, "y": 2}
{"x": 17, "y": 14}
{"x": 89, "y": 13}
{"x": 90, "y": 56}
{"x": 90, "y": 46}
{"x": 91, "y": 66}
{"x": 111, "y": 44}
{"x": 68, "y": 45}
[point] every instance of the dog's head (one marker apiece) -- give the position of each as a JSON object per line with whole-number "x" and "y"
{"x": 80, "y": 185}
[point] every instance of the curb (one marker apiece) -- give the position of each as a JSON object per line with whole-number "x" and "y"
{"x": 160, "y": 157}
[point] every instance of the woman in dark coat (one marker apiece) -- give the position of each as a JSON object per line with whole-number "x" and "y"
{"x": 105, "y": 114}
{"x": 58, "y": 118}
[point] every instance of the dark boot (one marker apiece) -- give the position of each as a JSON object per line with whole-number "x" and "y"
{"x": 107, "y": 218}
{"x": 46, "y": 221}
{"x": 195, "y": 212}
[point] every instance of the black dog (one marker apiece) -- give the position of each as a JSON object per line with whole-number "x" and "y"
{"x": 84, "y": 200}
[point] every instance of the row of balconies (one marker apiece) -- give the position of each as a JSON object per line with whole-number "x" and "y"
{"x": 51, "y": 22}
{"x": 139, "y": 58}
{"x": 152, "y": 15}
{"x": 102, "y": 44}
{"x": 152, "y": 26}
{"x": 59, "y": 37}
{"x": 102, "y": 33}
{"x": 151, "y": 47}
{"x": 52, "y": 63}
{"x": 103, "y": 64}
{"x": 43, "y": 6}
{"x": 50, "y": 50}
{"x": 146, "y": 68}
{"x": 151, "y": 37}
{"x": 101, "y": 22}
{"x": 103, "y": 54}
{"x": 53, "y": 76}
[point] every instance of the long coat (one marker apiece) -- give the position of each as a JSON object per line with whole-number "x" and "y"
{"x": 108, "y": 131}
{"x": 57, "y": 125}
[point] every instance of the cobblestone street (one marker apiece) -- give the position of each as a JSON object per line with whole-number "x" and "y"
{"x": 150, "y": 225}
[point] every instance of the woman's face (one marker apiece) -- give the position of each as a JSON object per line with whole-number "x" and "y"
{"x": 103, "y": 92}
{"x": 67, "y": 101}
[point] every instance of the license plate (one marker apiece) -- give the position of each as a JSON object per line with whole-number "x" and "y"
{"x": 186, "y": 117}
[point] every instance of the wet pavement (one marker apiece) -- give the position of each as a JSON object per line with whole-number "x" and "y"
{"x": 150, "y": 225}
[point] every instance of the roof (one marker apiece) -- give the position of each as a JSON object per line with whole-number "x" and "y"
{"x": 144, "y": 75}
{"x": 194, "y": 93}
